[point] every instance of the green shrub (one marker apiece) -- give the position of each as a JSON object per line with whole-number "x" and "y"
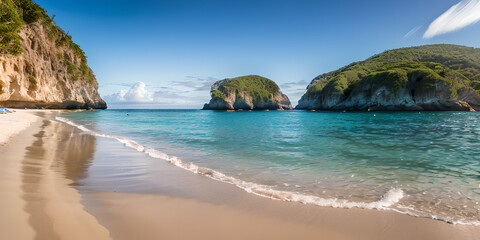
{"x": 86, "y": 72}
{"x": 475, "y": 85}
{"x": 74, "y": 77}
{"x": 340, "y": 83}
{"x": 316, "y": 88}
{"x": 70, "y": 67}
{"x": 259, "y": 88}
{"x": 427, "y": 77}
{"x": 10, "y": 24}
{"x": 33, "y": 85}
{"x": 31, "y": 12}
{"x": 218, "y": 94}
{"x": 394, "y": 79}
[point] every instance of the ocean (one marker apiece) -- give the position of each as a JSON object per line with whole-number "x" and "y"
{"x": 424, "y": 164}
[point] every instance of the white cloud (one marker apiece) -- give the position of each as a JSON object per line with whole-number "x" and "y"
{"x": 197, "y": 83}
{"x": 169, "y": 97}
{"x": 411, "y": 32}
{"x": 294, "y": 90}
{"x": 178, "y": 94}
{"x": 464, "y": 13}
{"x": 136, "y": 94}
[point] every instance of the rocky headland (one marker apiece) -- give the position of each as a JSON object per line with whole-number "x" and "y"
{"x": 40, "y": 65}
{"x": 247, "y": 93}
{"x": 426, "y": 78}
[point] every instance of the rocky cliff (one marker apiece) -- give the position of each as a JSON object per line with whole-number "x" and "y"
{"x": 248, "y": 93}
{"x": 40, "y": 66}
{"x": 434, "y": 77}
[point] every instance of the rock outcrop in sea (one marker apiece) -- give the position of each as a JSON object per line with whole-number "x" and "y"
{"x": 40, "y": 66}
{"x": 432, "y": 78}
{"x": 248, "y": 93}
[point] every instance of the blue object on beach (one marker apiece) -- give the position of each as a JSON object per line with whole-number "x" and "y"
{"x": 2, "y": 109}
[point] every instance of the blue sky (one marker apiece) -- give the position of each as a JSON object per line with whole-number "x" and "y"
{"x": 166, "y": 54}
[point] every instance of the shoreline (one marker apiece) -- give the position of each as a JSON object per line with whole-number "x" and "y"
{"x": 38, "y": 202}
{"x": 161, "y": 200}
{"x": 384, "y": 202}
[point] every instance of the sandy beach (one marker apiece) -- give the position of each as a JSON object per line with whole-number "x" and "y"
{"x": 13, "y": 124}
{"x": 60, "y": 183}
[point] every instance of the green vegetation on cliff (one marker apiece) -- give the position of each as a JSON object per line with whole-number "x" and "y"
{"x": 218, "y": 94}
{"x": 10, "y": 24}
{"x": 16, "y": 13}
{"x": 457, "y": 66}
{"x": 257, "y": 87}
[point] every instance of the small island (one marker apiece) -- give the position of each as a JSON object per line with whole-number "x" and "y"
{"x": 250, "y": 92}
{"x": 427, "y": 78}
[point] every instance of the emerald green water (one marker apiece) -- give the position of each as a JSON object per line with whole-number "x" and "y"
{"x": 423, "y": 164}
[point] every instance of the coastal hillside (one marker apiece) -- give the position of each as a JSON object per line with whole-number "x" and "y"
{"x": 248, "y": 92}
{"x": 433, "y": 77}
{"x": 40, "y": 65}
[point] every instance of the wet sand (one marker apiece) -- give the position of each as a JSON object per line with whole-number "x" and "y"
{"x": 38, "y": 201}
{"x": 59, "y": 183}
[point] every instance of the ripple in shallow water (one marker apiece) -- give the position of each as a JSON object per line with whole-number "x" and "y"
{"x": 434, "y": 157}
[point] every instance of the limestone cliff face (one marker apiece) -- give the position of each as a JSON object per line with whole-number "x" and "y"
{"x": 430, "y": 78}
{"x": 46, "y": 75}
{"x": 248, "y": 93}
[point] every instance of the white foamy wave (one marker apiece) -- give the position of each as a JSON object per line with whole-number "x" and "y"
{"x": 409, "y": 210}
{"x": 73, "y": 124}
{"x": 393, "y": 196}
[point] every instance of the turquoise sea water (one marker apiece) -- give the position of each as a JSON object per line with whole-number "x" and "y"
{"x": 419, "y": 163}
